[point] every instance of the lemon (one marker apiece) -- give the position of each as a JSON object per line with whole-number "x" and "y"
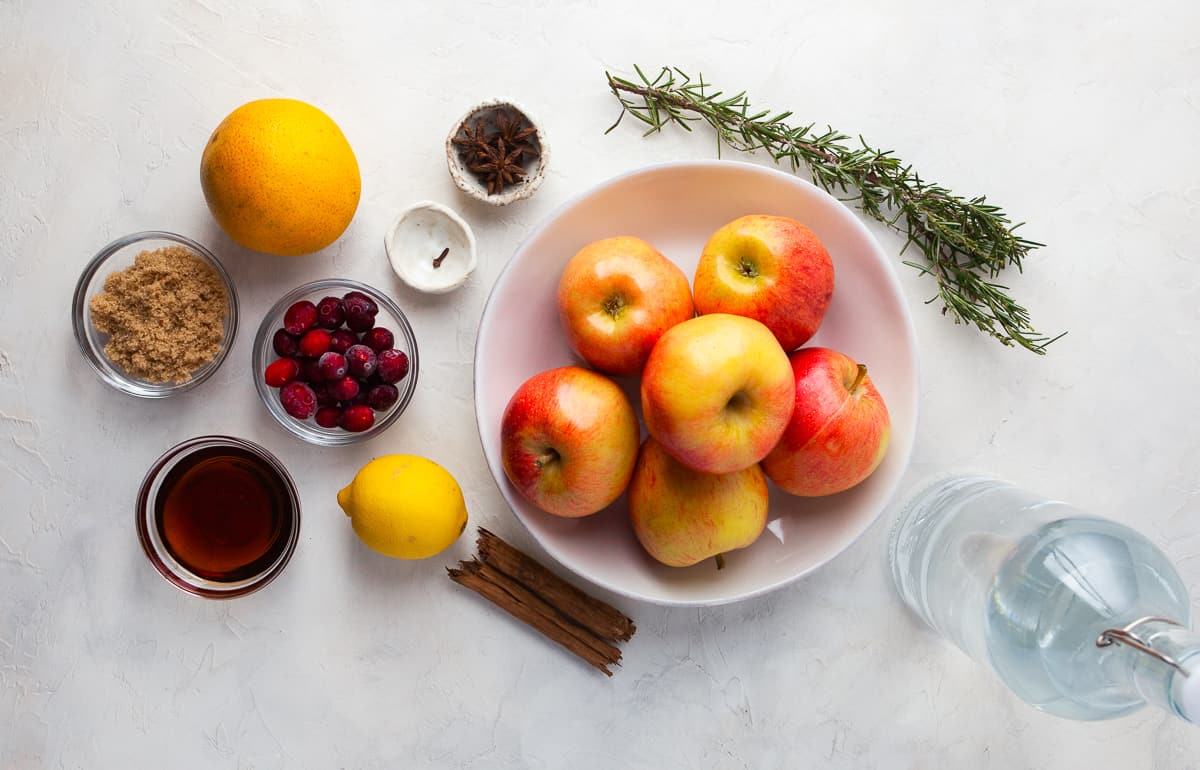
{"x": 405, "y": 506}
{"x": 280, "y": 177}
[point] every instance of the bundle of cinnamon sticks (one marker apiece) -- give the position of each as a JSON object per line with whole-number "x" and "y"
{"x": 528, "y": 591}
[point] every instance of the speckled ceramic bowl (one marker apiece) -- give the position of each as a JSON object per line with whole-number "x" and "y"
{"x": 465, "y": 179}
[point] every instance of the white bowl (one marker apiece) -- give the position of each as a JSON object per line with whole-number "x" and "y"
{"x": 416, "y": 240}
{"x": 676, "y": 207}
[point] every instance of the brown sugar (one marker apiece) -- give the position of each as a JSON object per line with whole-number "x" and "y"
{"x": 165, "y": 315}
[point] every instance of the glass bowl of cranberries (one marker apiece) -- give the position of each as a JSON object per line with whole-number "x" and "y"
{"x": 335, "y": 362}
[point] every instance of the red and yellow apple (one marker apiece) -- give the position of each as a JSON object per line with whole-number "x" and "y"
{"x": 717, "y": 392}
{"x": 569, "y": 441}
{"x": 616, "y": 297}
{"x": 682, "y": 517}
{"x": 769, "y": 268}
{"x": 840, "y": 428}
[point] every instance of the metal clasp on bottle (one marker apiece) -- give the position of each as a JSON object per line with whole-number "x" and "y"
{"x": 1127, "y": 637}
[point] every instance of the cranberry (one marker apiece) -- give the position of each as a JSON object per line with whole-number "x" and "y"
{"x": 357, "y": 302}
{"x": 361, "y": 398}
{"x": 360, "y": 311}
{"x": 285, "y": 344}
{"x": 315, "y": 342}
{"x": 381, "y": 397}
{"x": 328, "y": 416}
{"x": 361, "y": 360}
{"x": 298, "y": 400}
{"x": 310, "y": 371}
{"x": 329, "y": 313}
{"x": 324, "y": 398}
{"x": 359, "y": 322}
{"x": 341, "y": 340}
{"x": 358, "y": 418}
{"x": 332, "y": 366}
{"x": 300, "y": 317}
{"x": 393, "y": 365}
{"x": 379, "y": 339}
{"x": 281, "y": 372}
{"x": 344, "y": 389}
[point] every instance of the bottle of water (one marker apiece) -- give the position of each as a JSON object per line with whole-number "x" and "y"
{"x": 1080, "y": 616}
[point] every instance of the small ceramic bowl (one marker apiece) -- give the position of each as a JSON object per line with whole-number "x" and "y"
{"x": 431, "y": 248}
{"x": 120, "y": 255}
{"x": 390, "y": 316}
{"x": 485, "y": 113}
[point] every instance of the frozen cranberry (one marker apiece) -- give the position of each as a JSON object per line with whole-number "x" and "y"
{"x": 332, "y": 366}
{"x": 281, "y": 372}
{"x": 382, "y": 397}
{"x": 310, "y": 371}
{"x": 361, "y": 360}
{"x": 357, "y": 302}
{"x": 328, "y": 416}
{"x": 323, "y": 396}
{"x": 360, "y": 311}
{"x": 358, "y": 418}
{"x": 315, "y": 342}
{"x": 344, "y": 389}
{"x": 341, "y": 340}
{"x": 359, "y": 322}
{"x": 392, "y": 365}
{"x": 285, "y": 344}
{"x": 298, "y": 400}
{"x": 300, "y": 317}
{"x": 329, "y": 313}
{"x": 379, "y": 339}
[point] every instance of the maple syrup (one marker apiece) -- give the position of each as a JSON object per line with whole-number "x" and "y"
{"x": 225, "y": 514}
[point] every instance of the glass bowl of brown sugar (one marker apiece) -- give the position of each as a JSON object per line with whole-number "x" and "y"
{"x": 155, "y": 314}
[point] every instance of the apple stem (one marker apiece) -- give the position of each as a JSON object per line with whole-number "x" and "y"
{"x": 613, "y": 305}
{"x": 720, "y": 560}
{"x": 546, "y": 458}
{"x": 862, "y": 374}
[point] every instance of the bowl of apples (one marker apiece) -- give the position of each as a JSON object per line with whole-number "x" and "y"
{"x": 697, "y": 382}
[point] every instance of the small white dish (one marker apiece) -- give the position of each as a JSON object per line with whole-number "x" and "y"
{"x": 431, "y": 248}
{"x": 676, "y": 206}
{"x": 470, "y": 184}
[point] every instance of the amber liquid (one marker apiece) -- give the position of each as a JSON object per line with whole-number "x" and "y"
{"x": 224, "y": 514}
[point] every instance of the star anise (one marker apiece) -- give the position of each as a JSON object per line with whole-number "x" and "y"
{"x": 499, "y": 166}
{"x": 515, "y": 132}
{"x": 471, "y": 141}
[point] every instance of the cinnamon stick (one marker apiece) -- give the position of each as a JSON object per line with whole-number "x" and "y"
{"x": 471, "y": 575}
{"x": 604, "y": 620}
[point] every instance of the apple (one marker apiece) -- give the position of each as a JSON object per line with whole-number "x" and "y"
{"x": 616, "y": 297}
{"x": 772, "y": 269}
{"x": 717, "y": 392}
{"x": 569, "y": 441}
{"x": 682, "y": 517}
{"x": 840, "y": 428}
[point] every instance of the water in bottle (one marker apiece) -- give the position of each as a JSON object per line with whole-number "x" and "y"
{"x": 1080, "y": 616}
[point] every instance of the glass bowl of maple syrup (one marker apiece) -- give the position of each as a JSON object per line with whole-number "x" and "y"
{"x": 218, "y": 516}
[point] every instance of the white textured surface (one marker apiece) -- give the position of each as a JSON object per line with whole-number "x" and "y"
{"x": 1082, "y": 120}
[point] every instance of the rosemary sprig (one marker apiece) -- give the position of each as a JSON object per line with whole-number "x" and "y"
{"x": 965, "y": 242}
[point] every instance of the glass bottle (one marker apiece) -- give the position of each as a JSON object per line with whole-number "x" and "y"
{"x": 1080, "y": 616}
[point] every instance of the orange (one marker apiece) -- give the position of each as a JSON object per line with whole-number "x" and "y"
{"x": 280, "y": 177}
